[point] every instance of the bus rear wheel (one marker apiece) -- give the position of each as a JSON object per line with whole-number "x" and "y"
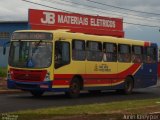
{"x": 37, "y": 93}
{"x": 74, "y": 89}
{"x": 128, "y": 87}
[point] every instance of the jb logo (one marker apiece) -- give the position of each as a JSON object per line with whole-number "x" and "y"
{"x": 49, "y": 18}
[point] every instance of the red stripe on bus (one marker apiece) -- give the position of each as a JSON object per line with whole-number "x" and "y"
{"x": 60, "y": 76}
{"x": 122, "y": 74}
{"x": 64, "y": 79}
{"x": 129, "y": 71}
{"x": 89, "y": 82}
{"x": 146, "y": 44}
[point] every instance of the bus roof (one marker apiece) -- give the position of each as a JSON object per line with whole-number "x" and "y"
{"x": 64, "y": 33}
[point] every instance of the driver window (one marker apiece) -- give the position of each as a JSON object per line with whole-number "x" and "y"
{"x": 62, "y": 54}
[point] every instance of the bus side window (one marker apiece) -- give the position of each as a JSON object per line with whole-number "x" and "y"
{"x": 62, "y": 53}
{"x": 124, "y": 53}
{"x": 137, "y": 54}
{"x": 94, "y": 51}
{"x": 150, "y": 55}
{"x": 78, "y": 50}
{"x": 109, "y": 52}
{"x": 158, "y": 55}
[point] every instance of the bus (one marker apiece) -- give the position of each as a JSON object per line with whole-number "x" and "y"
{"x": 158, "y": 62}
{"x": 60, "y": 61}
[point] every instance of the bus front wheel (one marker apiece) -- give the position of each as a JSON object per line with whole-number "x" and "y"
{"x": 74, "y": 89}
{"x": 94, "y": 91}
{"x": 37, "y": 93}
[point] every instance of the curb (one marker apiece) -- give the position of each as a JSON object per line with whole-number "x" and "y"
{"x": 11, "y": 91}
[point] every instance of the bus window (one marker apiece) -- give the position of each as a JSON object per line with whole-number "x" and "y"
{"x": 158, "y": 55}
{"x": 94, "y": 51}
{"x": 137, "y": 54}
{"x": 124, "y": 54}
{"x": 150, "y": 55}
{"x": 62, "y": 53}
{"x": 27, "y": 54}
{"x": 109, "y": 52}
{"x": 78, "y": 50}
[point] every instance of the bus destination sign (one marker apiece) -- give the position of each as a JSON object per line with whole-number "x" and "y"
{"x": 32, "y": 36}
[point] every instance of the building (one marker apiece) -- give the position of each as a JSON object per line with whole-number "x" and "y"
{"x": 6, "y": 30}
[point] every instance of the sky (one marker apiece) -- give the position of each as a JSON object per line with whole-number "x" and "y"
{"x": 17, "y": 10}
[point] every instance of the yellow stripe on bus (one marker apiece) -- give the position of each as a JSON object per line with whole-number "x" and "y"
{"x": 97, "y": 85}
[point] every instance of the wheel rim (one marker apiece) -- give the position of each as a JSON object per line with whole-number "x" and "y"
{"x": 128, "y": 86}
{"x": 75, "y": 88}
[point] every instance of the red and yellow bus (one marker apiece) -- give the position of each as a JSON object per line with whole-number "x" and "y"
{"x": 41, "y": 61}
{"x": 158, "y": 63}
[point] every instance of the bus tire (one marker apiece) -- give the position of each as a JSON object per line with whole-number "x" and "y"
{"x": 37, "y": 93}
{"x": 128, "y": 86}
{"x": 74, "y": 89}
{"x": 96, "y": 92}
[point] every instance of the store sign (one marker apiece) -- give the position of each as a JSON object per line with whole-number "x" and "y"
{"x": 49, "y": 18}
{"x": 52, "y": 19}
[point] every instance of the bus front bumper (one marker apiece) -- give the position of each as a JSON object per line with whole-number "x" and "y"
{"x": 46, "y": 86}
{"x": 28, "y": 86}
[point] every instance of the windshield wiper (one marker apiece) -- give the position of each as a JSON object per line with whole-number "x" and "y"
{"x": 30, "y": 62}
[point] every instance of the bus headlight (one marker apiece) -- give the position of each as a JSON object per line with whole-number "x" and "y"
{"x": 47, "y": 77}
{"x": 9, "y": 75}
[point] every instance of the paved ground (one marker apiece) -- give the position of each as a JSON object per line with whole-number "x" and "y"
{"x": 24, "y": 101}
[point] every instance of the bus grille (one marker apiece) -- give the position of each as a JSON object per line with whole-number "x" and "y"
{"x": 26, "y": 86}
{"x": 28, "y": 75}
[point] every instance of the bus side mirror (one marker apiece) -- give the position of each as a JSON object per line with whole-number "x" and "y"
{"x": 4, "y": 50}
{"x": 4, "y": 47}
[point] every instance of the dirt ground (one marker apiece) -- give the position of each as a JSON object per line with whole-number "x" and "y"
{"x": 147, "y": 113}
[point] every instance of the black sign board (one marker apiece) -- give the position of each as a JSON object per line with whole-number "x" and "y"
{"x": 32, "y": 36}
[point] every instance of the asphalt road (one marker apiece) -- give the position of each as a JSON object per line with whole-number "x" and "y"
{"x": 24, "y": 101}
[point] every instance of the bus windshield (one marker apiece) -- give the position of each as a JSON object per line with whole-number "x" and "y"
{"x": 30, "y": 54}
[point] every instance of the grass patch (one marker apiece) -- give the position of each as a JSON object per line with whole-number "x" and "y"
{"x": 3, "y": 72}
{"x": 91, "y": 109}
